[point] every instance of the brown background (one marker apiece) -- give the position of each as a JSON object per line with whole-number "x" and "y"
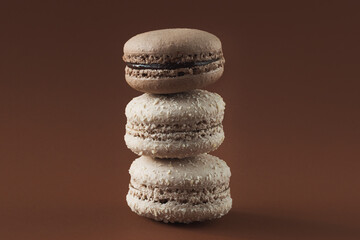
{"x": 291, "y": 85}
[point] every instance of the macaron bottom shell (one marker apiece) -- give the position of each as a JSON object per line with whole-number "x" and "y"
{"x": 152, "y": 81}
{"x": 173, "y": 211}
{"x": 175, "y": 148}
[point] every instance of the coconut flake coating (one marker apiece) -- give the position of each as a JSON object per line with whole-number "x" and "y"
{"x": 186, "y": 190}
{"x": 192, "y": 172}
{"x": 175, "y": 125}
{"x": 178, "y": 108}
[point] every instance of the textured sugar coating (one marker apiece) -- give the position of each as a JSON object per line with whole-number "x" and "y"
{"x": 170, "y": 146}
{"x": 180, "y": 108}
{"x": 164, "y": 195}
{"x": 176, "y": 135}
{"x": 182, "y": 213}
{"x": 175, "y": 126}
{"x": 190, "y": 173}
{"x": 186, "y": 190}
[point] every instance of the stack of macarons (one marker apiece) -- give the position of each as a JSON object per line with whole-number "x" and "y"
{"x": 174, "y": 125}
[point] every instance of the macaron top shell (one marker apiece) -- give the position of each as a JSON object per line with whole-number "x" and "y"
{"x": 183, "y": 108}
{"x": 172, "y": 42}
{"x": 194, "y": 172}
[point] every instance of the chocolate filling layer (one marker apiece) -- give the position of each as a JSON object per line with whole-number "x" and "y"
{"x": 169, "y": 65}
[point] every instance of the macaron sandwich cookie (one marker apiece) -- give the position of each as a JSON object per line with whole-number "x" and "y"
{"x": 173, "y": 126}
{"x": 172, "y": 190}
{"x": 173, "y": 60}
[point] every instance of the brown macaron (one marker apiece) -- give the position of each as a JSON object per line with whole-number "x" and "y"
{"x": 173, "y": 60}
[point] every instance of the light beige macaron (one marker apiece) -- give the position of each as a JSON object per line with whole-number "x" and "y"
{"x": 180, "y": 190}
{"x": 173, "y": 60}
{"x": 175, "y": 125}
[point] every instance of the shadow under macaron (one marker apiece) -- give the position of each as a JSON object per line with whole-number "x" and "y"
{"x": 243, "y": 225}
